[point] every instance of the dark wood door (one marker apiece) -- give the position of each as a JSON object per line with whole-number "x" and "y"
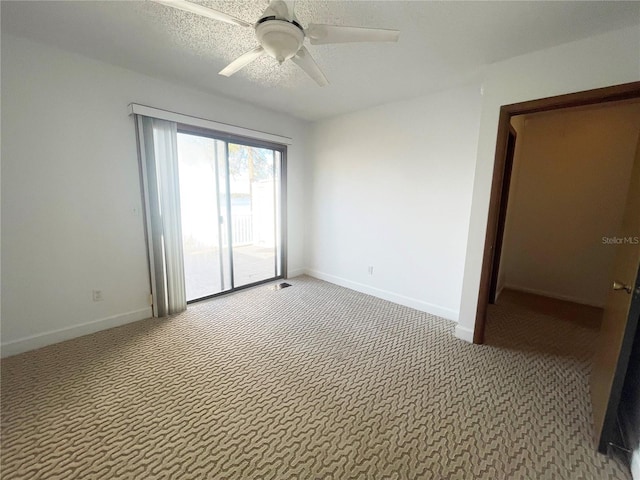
{"x": 620, "y": 319}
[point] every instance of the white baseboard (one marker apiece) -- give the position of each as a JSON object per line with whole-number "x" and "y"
{"x": 437, "y": 310}
{"x": 296, "y": 272}
{"x": 48, "y": 338}
{"x": 635, "y": 464}
{"x": 557, "y": 296}
{"x": 464, "y": 333}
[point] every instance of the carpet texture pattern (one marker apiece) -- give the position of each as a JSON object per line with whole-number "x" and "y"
{"x": 309, "y": 382}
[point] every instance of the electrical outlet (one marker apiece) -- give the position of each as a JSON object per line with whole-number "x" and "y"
{"x": 97, "y": 295}
{"x": 370, "y": 269}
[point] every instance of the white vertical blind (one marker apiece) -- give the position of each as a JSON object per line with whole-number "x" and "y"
{"x": 159, "y": 166}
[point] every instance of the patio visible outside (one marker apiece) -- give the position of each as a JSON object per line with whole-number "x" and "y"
{"x": 251, "y": 263}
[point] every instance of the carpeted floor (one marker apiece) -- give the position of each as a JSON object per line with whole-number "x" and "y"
{"x": 309, "y": 382}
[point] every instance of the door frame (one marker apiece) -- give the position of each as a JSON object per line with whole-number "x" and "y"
{"x": 502, "y": 170}
{"x": 502, "y": 214}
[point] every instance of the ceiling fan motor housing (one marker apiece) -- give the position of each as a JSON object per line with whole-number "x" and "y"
{"x": 279, "y": 38}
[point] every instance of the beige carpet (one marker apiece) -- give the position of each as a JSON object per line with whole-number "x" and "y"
{"x": 310, "y": 382}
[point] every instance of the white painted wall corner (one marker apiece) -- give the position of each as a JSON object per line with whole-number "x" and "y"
{"x": 464, "y": 333}
{"x": 295, "y": 272}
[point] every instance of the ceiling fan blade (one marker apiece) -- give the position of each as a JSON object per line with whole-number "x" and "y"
{"x": 322, "y": 34}
{"x": 203, "y": 11}
{"x": 242, "y": 61}
{"x": 306, "y": 62}
{"x": 282, "y": 9}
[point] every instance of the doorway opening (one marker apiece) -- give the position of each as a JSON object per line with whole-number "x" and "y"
{"x": 551, "y": 274}
{"x": 232, "y": 201}
{"x": 502, "y": 175}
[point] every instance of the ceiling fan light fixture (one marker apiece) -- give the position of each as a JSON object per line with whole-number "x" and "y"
{"x": 281, "y": 36}
{"x": 280, "y": 39}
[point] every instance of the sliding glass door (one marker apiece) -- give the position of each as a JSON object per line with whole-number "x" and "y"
{"x": 231, "y": 204}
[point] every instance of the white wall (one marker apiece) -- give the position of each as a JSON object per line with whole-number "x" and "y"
{"x": 568, "y": 191}
{"x": 71, "y": 204}
{"x": 391, "y": 188}
{"x": 599, "y": 61}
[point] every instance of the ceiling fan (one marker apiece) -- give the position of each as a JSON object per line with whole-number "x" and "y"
{"x": 281, "y": 36}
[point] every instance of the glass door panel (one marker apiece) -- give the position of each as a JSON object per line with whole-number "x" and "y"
{"x": 222, "y": 185}
{"x": 252, "y": 183}
{"x": 205, "y": 244}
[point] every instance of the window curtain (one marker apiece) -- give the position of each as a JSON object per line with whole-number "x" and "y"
{"x": 159, "y": 167}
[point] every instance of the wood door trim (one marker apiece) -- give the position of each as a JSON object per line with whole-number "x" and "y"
{"x": 589, "y": 97}
{"x": 512, "y": 138}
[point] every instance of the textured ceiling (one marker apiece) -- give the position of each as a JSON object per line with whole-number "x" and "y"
{"x": 441, "y": 44}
